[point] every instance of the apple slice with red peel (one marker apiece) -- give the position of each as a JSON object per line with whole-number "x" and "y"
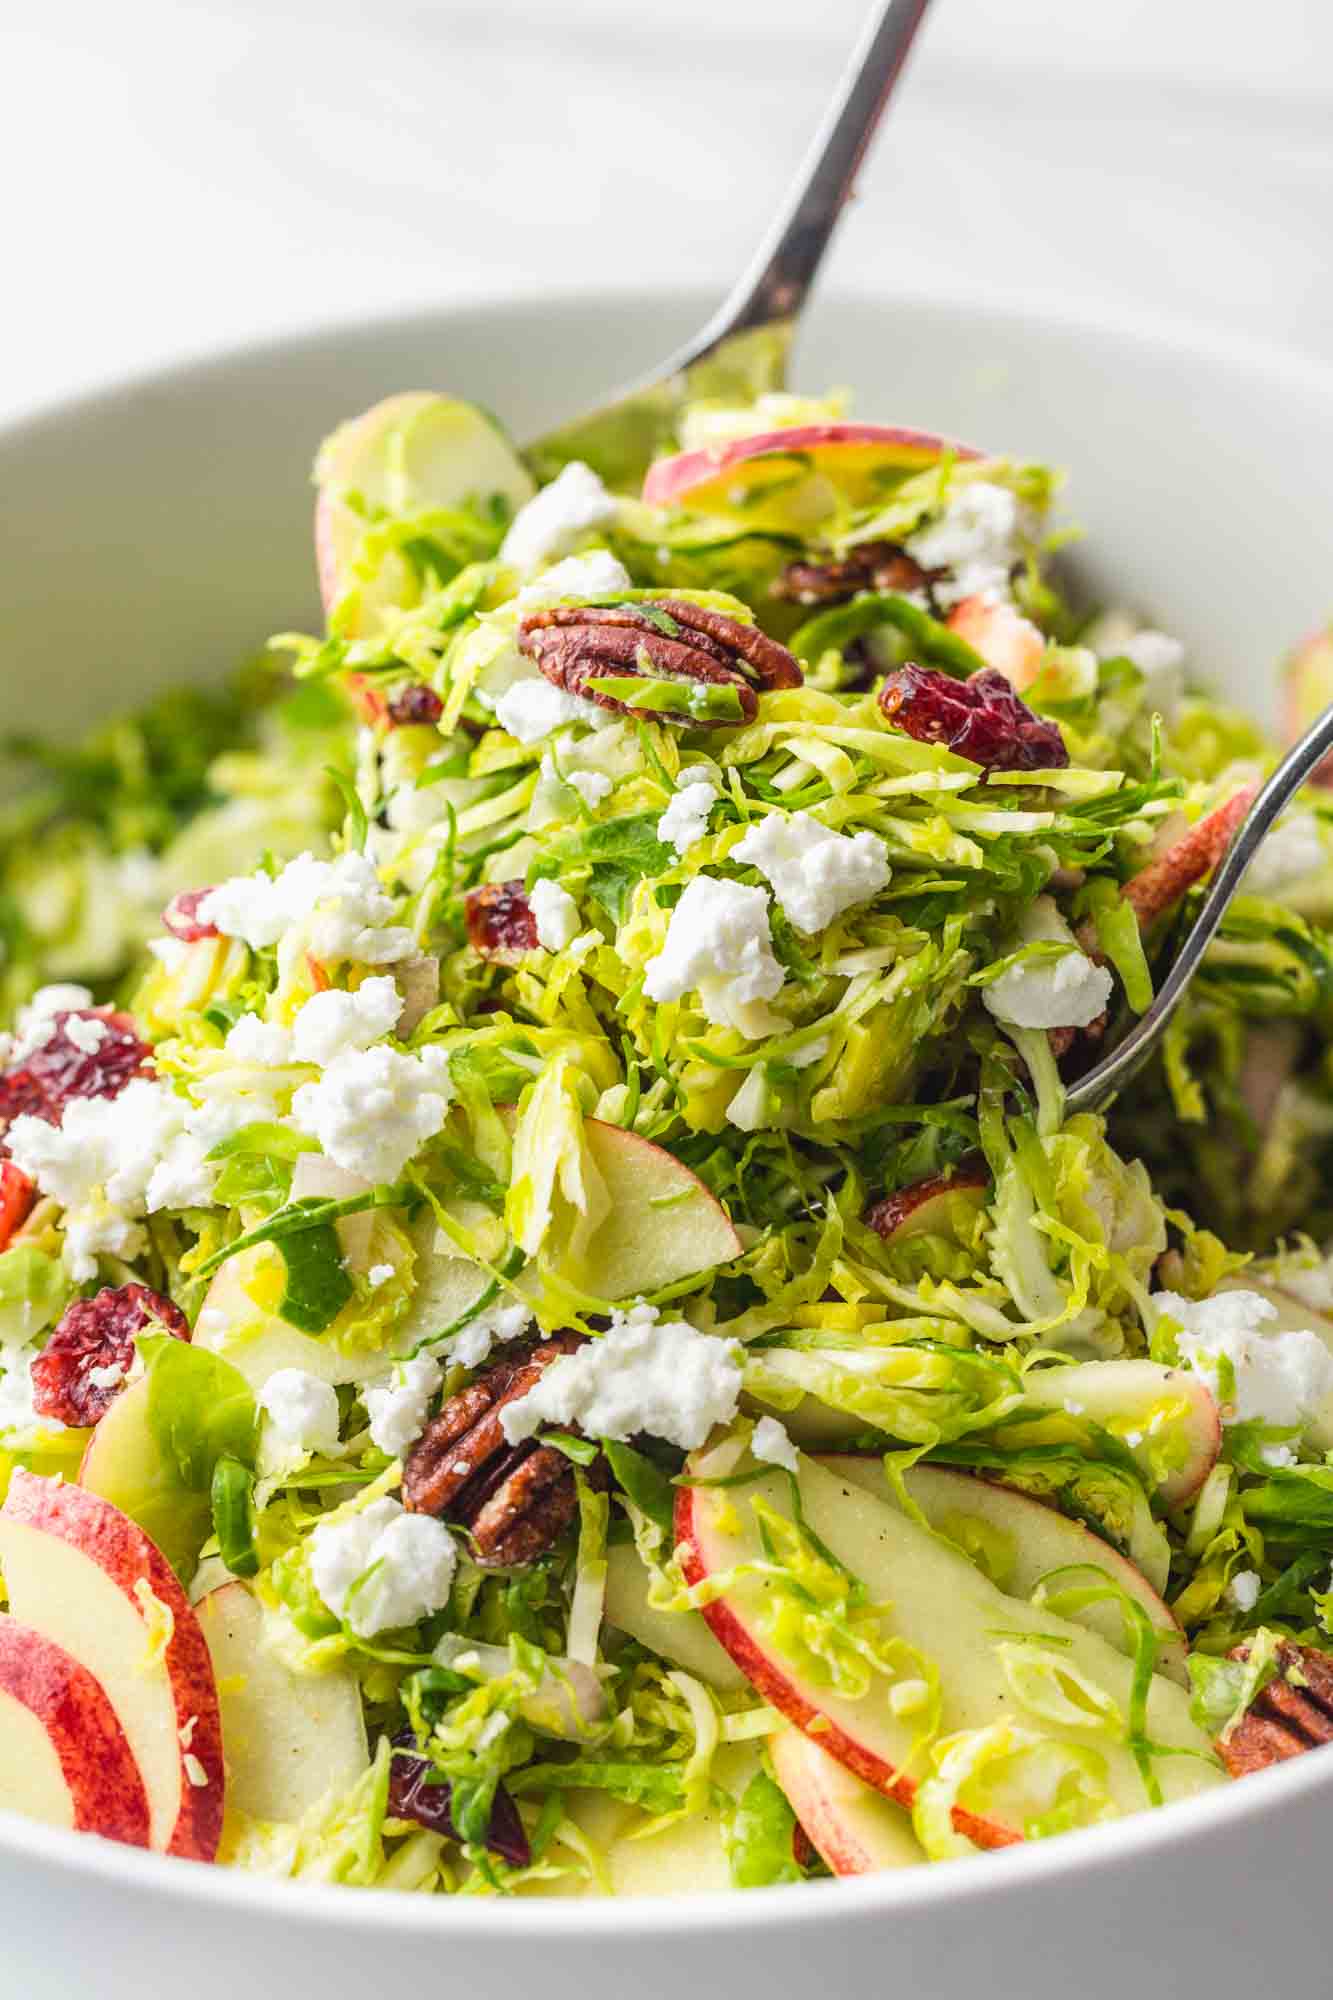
{"x": 941, "y": 1605}
{"x": 290, "y": 1739}
{"x": 63, "y": 1755}
{"x": 1005, "y": 639}
{"x": 943, "y": 1205}
{"x": 1021, "y": 1540}
{"x": 679, "y": 1636}
{"x": 1160, "y": 886}
{"x": 85, "y": 1576}
{"x": 793, "y": 479}
{"x": 663, "y": 1224}
{"x": 1307, "y": 690}
{"x": 1166, "y": 1416}
{"x": 412, "y": 452}
{"x": 854, "y": 1828}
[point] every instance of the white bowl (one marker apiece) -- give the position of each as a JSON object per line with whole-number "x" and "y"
{"x": 156, "y": 532}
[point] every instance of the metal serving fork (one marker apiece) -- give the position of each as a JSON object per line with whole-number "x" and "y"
{"x": 744, "y": 348}
{"x": 1105, "y": 1078}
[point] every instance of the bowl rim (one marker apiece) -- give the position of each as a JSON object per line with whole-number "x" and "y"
{"x": 973, "y": 1880}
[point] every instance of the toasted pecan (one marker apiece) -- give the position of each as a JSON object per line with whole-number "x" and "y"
{"x": 871, "y": 566}
{"x": 574, "y": 645}
{"x": 1292, "y": 1714}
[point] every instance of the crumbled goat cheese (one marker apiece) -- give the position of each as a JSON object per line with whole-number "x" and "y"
{"x": 86, "y": 1035}
{"x": 718, "y": 942}
{"x": 493, "y": 1327}
{"x": 1257, "y": 1375}
{"x": 1153, "y": 653}
{"x": 554, "y": 519}
{"x": 772, "y": 1444}
{"x": 111, "y": 1161}
{"x": 1243, "y": 1589}
{"x": 35, "y": 1023}
{"x": 382, "y": 1568}
{"x": 556, "y": 914}
{"x": 591, "y": 786}
{"x": 597, "y": 574}
{"x": 643, "y": 1374}
{"x": 302, "y": 1410}
{"x": 816, "y": 874}
{"x": 1291, "y": 852}
{"x": 170, "y": 952}
{"x": 378, "y": 1274}
{"x": 260, "y": 1043}
{"x": 686, "y": 818}
{"x": 530, "y": 709}
{"x": 334, "y": 1024}
{"x": 349, "y": 913}
{"x": 1312, "y": 1284}
{"x": 16, "y": 1411}
{"x": 974, "y": 539}
{"x": 398, "y": 1402}
{"x": 1066, "y": 992}
{"x": 373, "y": 1109}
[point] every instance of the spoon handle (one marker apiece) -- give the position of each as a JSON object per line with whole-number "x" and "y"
{"x": 1101, "y": 1083}
{"x": 774, "y": 287}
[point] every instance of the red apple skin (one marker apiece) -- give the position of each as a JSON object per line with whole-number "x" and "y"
{"x": 906, "y": 1212}
{"x": 804, "y": 1772}
{"x": 105, "y": 1788}
{"x": 671, "y": 479}
{"x": 765, "y": 1678}
{"x": 1153, "y": 891}
{"x": 126, "y": 1555}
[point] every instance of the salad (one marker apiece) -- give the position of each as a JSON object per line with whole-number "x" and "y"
{"x": 556, "y": 1337}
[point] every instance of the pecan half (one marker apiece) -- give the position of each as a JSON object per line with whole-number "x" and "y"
{"x": 872, "y": 566}
{"x": 500, "y": 923}
{"x": 1294, "y": 1713}
{"x": 577, "y": 645}
{"x": 516, "y": 1500}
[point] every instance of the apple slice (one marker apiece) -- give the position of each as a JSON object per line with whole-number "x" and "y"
{"x": 942, "y": 1205}
{"x": 1029, "y": 1539}
{"x": 1307, "y": 690}
{"x": 791, "y": 480}
{"x": 63, "y": 1755}
{"x": 679, "y": 1636}
{"x": 410, "y": 453}
{"x": 663, "y": 1224}
{"x": 84, "y": 1575}
{"x": 290, "y": 1739}
{"x": 854, "y": 1828}
{"x": 938, "y": 1603}
{"x": 1162, "y": 1414}
{"x": 1005, "y": 639}
{"x": 1160, "y": 886}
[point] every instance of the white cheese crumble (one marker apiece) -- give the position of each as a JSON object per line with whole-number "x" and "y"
{"x": 302, "y": 1410}
{"x": 718, "y": 942}
{"x": 974, "y": 539}
{"x": 373, "y": 1109}
{"x": 17, "y": 1414}
{"x": 1292, "y": 851}
{"x": 35, "y": 1023}
{"x": 1243, "y": 1589}
{"x": 597, "y": 574}
{"x": 686, "y": 818}
{"x": 816, "y": 874}
{"x": 529, "y": 710}
{"x": 378, "y": 1274}
{"x": 554, "y": 519}
{"x": 86, "y": 1033}
{"x": 1312, "y": 1284}
{"x": 591, "y": 786}
{"x": 556, "y": 914}
{"x": 492, "y": 1327}
{"x": 112, "y": 1161}
{"x": 1257, "y": 1375}
{"x": 1066, "y": 992}
{"x": 772, "y": 1445}
{"x": 382, "y": 1568}
{"x": 349, "y": 912}
{"x": 334, "y": 1024}
{"x": 1153, "y": 653}
{"x": 397, "y": 1403}
{"x": 260, "y": 1043}
{"x": 643, "y": 1374}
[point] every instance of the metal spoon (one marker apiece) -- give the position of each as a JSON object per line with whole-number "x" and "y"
{"x": 744, "y": 348}
{"x": 1110, "y": 1075}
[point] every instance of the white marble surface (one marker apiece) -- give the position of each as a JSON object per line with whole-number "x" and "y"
{"x": 185, "y": 173}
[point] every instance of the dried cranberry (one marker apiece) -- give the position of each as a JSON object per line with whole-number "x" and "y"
{"x": 500, "y": 923}
{"x": 416, "y": 1793}
{"x": 58, "y": 1069}
{"x": 95, "y": 1334}
{"x": 417, "y": 703}
{"x": 181, "y": 916}
{"x": 981, "y": 718}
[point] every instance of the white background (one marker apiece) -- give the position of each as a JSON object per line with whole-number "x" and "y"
{"x": 180, "y": 176}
